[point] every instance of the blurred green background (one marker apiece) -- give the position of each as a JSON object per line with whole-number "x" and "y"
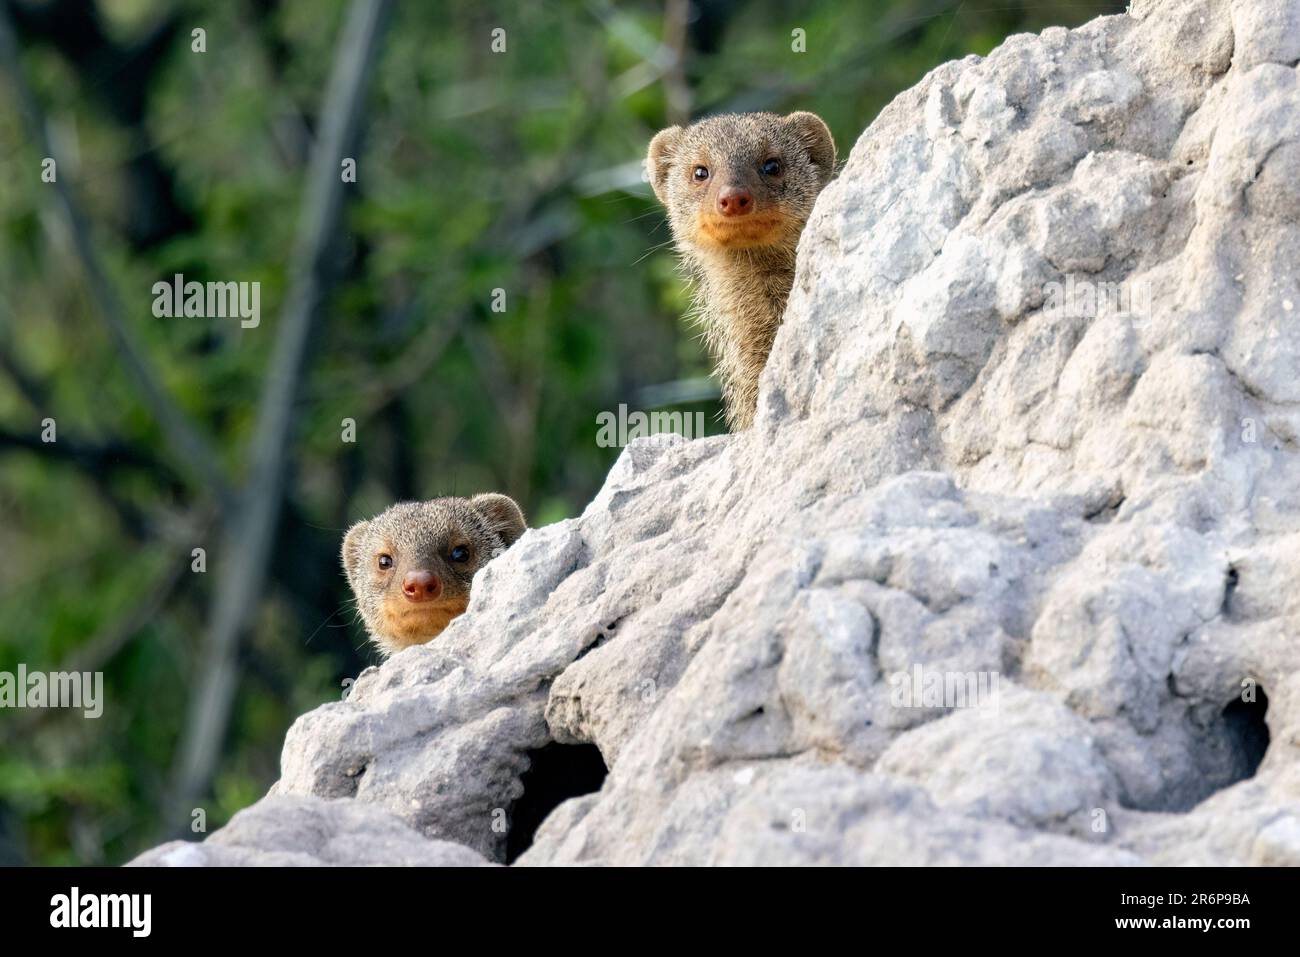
{"x": 476, "y": 171}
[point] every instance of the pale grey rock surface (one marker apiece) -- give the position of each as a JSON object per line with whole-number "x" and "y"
{"x": 961, "y": 465}
{"x": 311, "y": 832}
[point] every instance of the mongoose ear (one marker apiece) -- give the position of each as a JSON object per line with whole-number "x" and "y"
{"x": 659, "y": 160}
{"x": 504, "y": 516}
{"x": 816, "y": 137}
{"x": 352, "y": 543}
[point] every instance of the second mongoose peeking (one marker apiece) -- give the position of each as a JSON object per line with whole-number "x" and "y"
{"x": 411, "y": 566}
{"x": 738, "y": 189}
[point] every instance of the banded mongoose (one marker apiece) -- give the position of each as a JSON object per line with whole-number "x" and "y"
{"x": 738, "y": 189}
{"x": 411, "y": 566}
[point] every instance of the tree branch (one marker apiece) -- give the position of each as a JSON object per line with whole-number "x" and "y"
{"x": 677, "y": 91}
{"x": 247, "y": 541}
{"x": 98, "y": 458}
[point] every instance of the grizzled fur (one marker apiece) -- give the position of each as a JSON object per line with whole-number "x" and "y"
{"x": 422, "y": 537}
{"x": 742, "y": 267}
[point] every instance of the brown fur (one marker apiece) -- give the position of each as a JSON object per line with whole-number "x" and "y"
{"x": 742, "y": 267}
{"x": 421, "y": 536}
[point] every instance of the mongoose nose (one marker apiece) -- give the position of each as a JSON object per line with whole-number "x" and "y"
{"x": 735, "y": 201}
{"x": 421, "y": 586}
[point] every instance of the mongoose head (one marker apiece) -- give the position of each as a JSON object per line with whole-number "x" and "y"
{"x": 742, "y": 180}
{"x": 411, "y": 566}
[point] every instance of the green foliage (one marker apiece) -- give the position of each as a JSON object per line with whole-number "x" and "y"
{"x": 479, "y": 171}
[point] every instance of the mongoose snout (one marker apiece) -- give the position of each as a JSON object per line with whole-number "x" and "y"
{"x": 411, "y": 567}
{"x": 421, "y": 586}
{"x": 735, "y": 201}
{"x": 738, "y": 189}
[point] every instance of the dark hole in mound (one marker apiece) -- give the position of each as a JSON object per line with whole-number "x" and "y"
{"x": 1248, "y": 732}
{"x": 1227, "y": 745}
{"x": 557, "y": 772}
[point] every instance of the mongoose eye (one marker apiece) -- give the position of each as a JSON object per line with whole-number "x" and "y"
{"x": 701, "y": 173}
{"x": 460, "y": 554}
{"x": 385, "y": 562}
{"x": 772, "y": 167}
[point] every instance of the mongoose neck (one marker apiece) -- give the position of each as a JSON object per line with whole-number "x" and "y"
{"x": 747, "y": 288}
{"x": 741, "y": 299}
